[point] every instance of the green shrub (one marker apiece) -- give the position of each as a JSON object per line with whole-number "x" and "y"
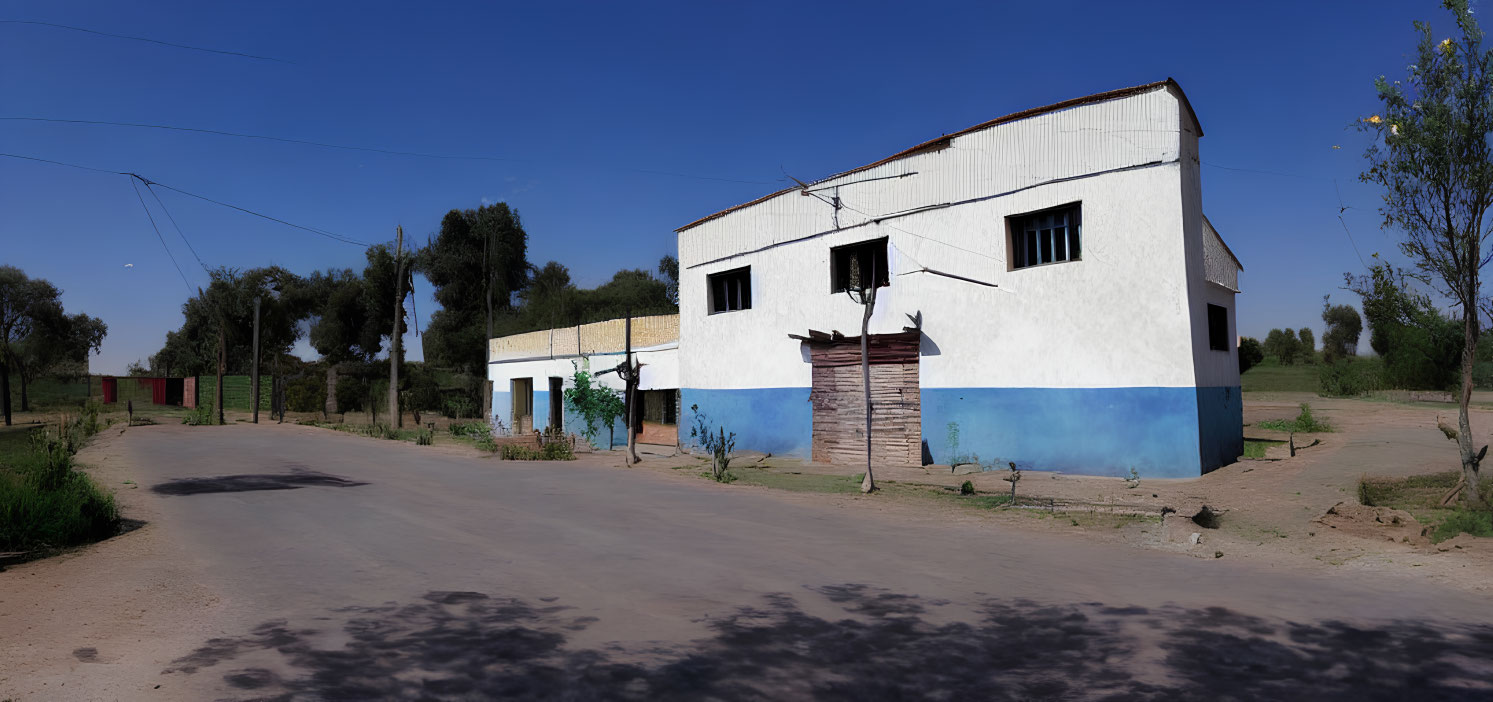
{"x": 1304, "y": 423}
{"x": 426, "y": 437}
{"x": 1350, "y": 377}
{"x": 200, "y": 416}
{"x": 968, "y": 488}
{"x": 352, "y": 394}
{"x": 558, "y": 451}
{"x": 306, "y": 394}
{"x": 1464, "y": 521}
{"x": 44, "y": 502}
{"x": 514, "y": 452}
{"x": 475, "y": 430}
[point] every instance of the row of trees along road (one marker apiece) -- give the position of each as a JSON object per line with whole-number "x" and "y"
{"x": 477, "y": 264}
{"x": 36, "y": 335}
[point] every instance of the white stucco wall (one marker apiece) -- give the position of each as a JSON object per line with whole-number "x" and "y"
{"x": 1213, "y": 368}
{"x": 1117, "y": 318}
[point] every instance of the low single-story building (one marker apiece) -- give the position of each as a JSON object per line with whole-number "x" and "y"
{"x": 530, "y": 373}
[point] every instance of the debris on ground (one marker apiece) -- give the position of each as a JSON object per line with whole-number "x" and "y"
{"x": 1376, "y": 523}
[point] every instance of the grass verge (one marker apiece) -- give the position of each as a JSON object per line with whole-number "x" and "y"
{"x": 45, "y": 503}
{"x": 1255, "y": 448}
{"x": 1420, "y": 495}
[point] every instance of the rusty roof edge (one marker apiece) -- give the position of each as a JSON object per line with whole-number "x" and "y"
{"x": 1169, "y": 83}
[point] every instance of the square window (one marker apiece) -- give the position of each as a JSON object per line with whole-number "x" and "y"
{"x": 853, "y": 264}
{"x": 730, "y": 291}
{"x": 1040, "y": 238}
{"x": 1218, "y": 328}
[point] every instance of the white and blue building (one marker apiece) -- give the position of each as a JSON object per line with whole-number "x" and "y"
{"x": 1049, "y": 294}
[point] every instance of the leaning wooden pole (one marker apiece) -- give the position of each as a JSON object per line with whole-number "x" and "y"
{"x": 394, "y": 352}
{"x": 629, "y": 403}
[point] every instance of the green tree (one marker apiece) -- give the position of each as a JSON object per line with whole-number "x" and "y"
{"x": 596, "y": 404}
{"x": 1433, "y": 159}
{"x": 1344, "y": 326}
{"x": 1250, "y": 354}
{"x": 57, "y": 339}
{"x": 1420, "y": 346}
{"x": 1306, "y": 344}
{"x": 668, "y": 270}
{"x": 1283, "y": 345}
{"x": 477, "y": 263}
{"x": 23, "y": 301}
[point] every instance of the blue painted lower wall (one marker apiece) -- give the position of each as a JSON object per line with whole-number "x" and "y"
{"x": 1093, "y": 431}
{"x": 1160, "y": 432}
{"x": 772, "y": 420}
{"x": 1220, "y": 426}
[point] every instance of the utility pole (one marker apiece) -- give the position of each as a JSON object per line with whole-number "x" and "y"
{"x": 630, "y": 399}
{"x": 487, "y": 341}
{"x": 254, "y": 375}
{"x": 394, "y": 352}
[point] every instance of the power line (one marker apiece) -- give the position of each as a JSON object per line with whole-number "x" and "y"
{"x": 313, "y": 230}
{"x": 179, "y": 232}
{"x": 162, "y": 238}
{"x": 145, "y": 39}
{"x": 148, "y": 182}
{"x": 368, "y": 149}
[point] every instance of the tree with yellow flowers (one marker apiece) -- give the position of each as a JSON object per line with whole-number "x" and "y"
{"x": 1432, "y": 158}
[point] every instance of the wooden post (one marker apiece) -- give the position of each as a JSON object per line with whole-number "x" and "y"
{"x": 630, "y": 399}
{"x": 394, "y": 351}
{"x": 222, "y": 367}
{"x": 868, "y": 483}
{"x": 254, "y": 374}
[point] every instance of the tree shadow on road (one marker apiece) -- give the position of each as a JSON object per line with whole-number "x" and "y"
{"x": 464, "y": 645}
{"x": 293, "y": 480}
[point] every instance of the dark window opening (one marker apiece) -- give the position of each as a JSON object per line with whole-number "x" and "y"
{"x": 852, "y": 265}
{"x": 731, "y": 290}
{"x": 557, "y": 397}
{"x": 1218, "y": 328}
{"x": 1049, "y": 236}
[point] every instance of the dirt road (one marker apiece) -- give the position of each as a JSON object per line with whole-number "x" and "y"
{"x": 297, "y": 563}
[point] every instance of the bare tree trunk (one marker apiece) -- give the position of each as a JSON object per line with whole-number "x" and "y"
{"x": 25, "y": 400}
{"x": 5, "y": 388}
{"x": 630, "y": 401}
{"x": 222, "y": 368}
{"x": 1471, "y": 491}
{"x": 868, "y": 484}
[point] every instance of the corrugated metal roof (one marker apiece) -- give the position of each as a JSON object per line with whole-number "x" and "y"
{"x": 944, "y": 141}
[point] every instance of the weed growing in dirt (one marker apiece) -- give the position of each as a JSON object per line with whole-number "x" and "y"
{"x": 559, "y": 451}
{"x": 200, "y": 416}
{"x": 968, "y": 488}
{"x": 1304, "y": 423}
{"x": 426, "y": 437}
{"x": 1256, "y": 449}
{"x": 1464, "y": 521}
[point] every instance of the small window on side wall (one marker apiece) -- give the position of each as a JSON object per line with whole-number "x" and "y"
{"x": 731, "y": 290}
{"x": 1048, "y": 236}
{"x": 853, "y": 265}
{"x": 1218, "y": 328}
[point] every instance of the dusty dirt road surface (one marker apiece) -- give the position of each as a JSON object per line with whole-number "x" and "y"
{"x": 297, "y": 563}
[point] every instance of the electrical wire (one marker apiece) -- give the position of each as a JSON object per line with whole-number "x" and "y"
{"x": 368, "y": 149}
{"x": 145, "y": 39}
{"x": 179, "y": 232}
{"x": 162, "y": 238}
{"x": 148, "y": 182}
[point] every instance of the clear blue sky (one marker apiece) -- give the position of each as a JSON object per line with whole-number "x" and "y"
{"x": 585, "y": 97}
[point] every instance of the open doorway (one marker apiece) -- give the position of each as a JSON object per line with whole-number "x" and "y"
{"x": 557, "y": 399}
{"x": 659, "y": 420}
{"x": 523, "y": 405}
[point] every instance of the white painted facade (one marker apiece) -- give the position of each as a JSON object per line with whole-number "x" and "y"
{"x": 1131, "y": 314}
{"x": 660, "y": 371}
